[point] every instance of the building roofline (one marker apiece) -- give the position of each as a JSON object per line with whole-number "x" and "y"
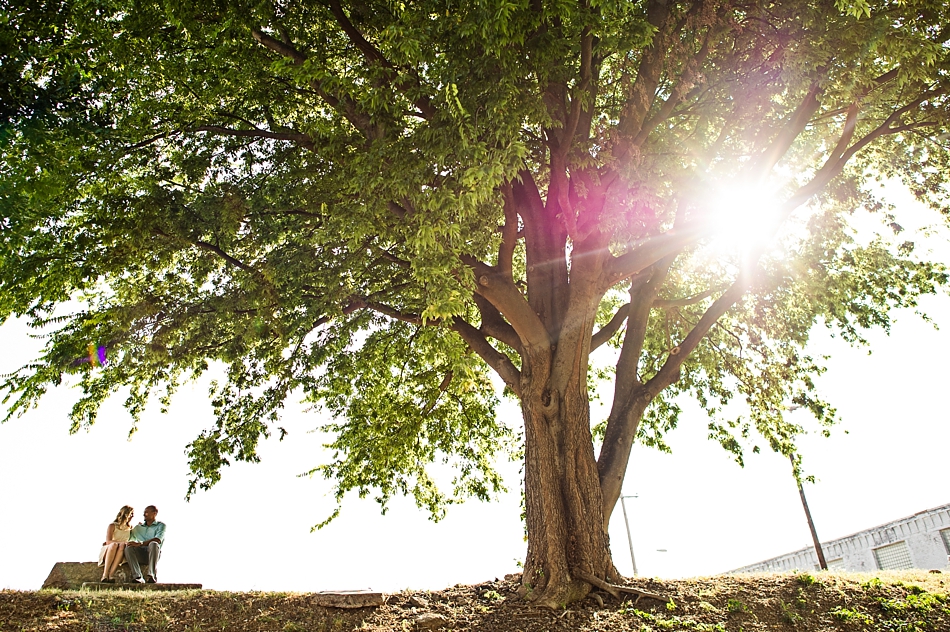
{"x": 856, "y": 534}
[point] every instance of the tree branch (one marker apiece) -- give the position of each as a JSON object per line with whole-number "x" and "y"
{"x": 352, "y": 306}
{"x": 443, "y": 386}
{"x": 585, "y": 84}
{"x": 369, "y": 51}
{"x": 669, "y": 372}
{"x": 511, "y": 303}
{"x": 683, "y": 85}
{"x": 388, "y": 256}
{"x": 651, "y": 278}
{"x": 494, "y": 325}
{"x": 546, "y": 271}
{"x": 218, "y": 251}
{"x": 278, "y": 46}
{"x": 835, "y": 162}
{"x": 630, "y": 397}
{"x": 683, "y": 302}
{"x": 301, "y": 139}
{"x": 392, "y": 312}
{"x": 653, "y": 249}
{"x": 847, "y": 133}
{"x": 494, "y": 358}
{"x": 607, "y": 331}
{"x": 559, "y": 194}
{"x": 585, "y": 120}
{"x": 346, "y": 105}
{"x": 804, "y": 115}
{"x": 509, "y": 233}
{"x": 374, "y": 55}
{"x": 787, "y": 135}
{"x": 221, "y": 253}
{"x": 150, "y": 140}
{"x": 643, "y": 90}
{"x": 642, "y": 299}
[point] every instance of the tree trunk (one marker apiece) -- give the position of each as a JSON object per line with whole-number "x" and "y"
{"x": 563, "y": 502}
{"x": 615, "y": 454}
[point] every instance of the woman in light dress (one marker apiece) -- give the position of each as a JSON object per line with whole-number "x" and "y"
{"x": 113, "y": 549}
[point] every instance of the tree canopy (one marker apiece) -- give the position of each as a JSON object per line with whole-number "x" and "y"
{"x": 377, "y": 206}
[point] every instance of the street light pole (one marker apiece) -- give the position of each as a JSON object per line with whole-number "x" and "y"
{"x": 822, "y": 564}
{"x": 623, "y": 505}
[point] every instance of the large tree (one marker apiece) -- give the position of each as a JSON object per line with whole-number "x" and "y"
{"x": 375, "y": 205}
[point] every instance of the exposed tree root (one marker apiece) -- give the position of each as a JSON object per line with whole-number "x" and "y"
{"x": 615, "y": 590}
{"x": 643, "y": 593}
{"x": 594, "y": 581}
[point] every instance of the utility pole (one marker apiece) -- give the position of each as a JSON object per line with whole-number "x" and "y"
{"x": 623, "y": 505}
{"x": 811, "y": 524}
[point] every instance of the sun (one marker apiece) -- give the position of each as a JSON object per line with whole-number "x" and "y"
{"x": 745, "y": 216}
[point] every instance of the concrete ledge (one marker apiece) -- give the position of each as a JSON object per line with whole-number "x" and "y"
{"x": 72, "y": 575}
{"x": 137, "y": 586}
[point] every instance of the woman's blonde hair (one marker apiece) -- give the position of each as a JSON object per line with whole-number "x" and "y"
{"x": 124, "y": 517}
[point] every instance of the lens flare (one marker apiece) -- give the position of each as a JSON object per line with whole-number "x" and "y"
{"x": 97, "y": 355}
{"x": 746, "y": 216}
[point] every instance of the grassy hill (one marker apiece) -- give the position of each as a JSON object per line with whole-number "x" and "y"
{"x": 907, "y": 601}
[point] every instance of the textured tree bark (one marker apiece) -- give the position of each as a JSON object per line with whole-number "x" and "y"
{"x": 563, "y": 501}
{"x": 615, "y": 454}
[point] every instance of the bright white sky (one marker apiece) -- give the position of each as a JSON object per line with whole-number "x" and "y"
{"x": 252, "y": 531}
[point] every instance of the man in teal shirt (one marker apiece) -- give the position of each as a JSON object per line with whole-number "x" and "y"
{"x": 145, "y": 545}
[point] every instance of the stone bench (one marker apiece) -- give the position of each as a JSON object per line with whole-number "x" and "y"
{"x": 86, "y": 575}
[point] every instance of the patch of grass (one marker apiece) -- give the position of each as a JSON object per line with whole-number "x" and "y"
{"x": 674, "y": 623}
{"x": 800, "y": 601}
{"x": 872, "y": 585}
{"x": 918, "y": 602}
{"x": 807, "y": 579}
{"x": 736, "y": 606}
{"x": 848, "y": 615}
{"x": 788, "y": 615}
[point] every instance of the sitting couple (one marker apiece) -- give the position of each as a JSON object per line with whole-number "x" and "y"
{"x": 141, "y": 544}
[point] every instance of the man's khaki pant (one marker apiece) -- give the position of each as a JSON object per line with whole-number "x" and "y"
{"x": 138, "y": 555}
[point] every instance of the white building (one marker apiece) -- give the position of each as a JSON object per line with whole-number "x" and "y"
{"x": 918, "y": 541}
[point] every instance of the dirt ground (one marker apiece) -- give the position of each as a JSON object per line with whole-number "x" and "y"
{"x": 907, "y": 601}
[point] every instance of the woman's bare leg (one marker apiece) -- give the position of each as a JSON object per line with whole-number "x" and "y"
{"x": 117, "y": 559}
{"x": 109, "y": 559}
